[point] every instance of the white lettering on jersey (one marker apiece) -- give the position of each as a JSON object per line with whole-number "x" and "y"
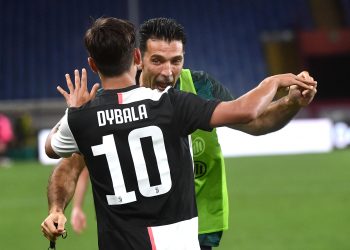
{"x": 108, "y": 148}
{"x": 101, "y": 118}
{"x": 118, "y": 116}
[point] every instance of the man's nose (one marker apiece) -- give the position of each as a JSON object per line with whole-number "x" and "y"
{"x": 166, "y": 70}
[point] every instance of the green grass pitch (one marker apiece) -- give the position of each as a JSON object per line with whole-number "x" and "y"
{"x": 298, "y": 202}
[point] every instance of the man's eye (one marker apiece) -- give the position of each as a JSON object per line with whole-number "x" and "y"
{"x": 155, "y": 61}
{"x": 177, "y": 61}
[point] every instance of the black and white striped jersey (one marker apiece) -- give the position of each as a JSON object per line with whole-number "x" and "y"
{"x": 135, "y": 144}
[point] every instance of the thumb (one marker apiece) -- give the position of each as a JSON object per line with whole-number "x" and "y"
{"x": 60, "y": 224}
{"x": 94, "y": 90}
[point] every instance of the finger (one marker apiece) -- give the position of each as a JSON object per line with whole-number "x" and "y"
{"x": 293, "y": 87}
{"x": 306, "y": 92}
{"x": 69, "y": 83}
{"x": 308, "y": 77}
{"x": 44, "y": 229}
{"x": 60, "y": 224}
{"x": 79, "y": 227}
{"x": 83, "y": 223}
{"x": 46, "y": 232}
{"x": 63, "y": 92}
{"x": 299, "y": 84}
{"x": 309, "y": 80}
{"x": 50, "y": 227}
{"x": 46, "y": 236}
{"x": 306, "y": 81}
{"x": 309, "y": 93}
{"x": 77, "y": 79}
{"x": 94, "y": 90}
{"x": 83, "y": 80}
{"x": 304, "y": 74}
{"x": 49, "y": 237}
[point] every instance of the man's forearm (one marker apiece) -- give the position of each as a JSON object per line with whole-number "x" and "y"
{"x": 275, "y": 117}
{"x": 62, "y": 183}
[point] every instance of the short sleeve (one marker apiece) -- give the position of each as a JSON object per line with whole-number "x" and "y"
{"x": 191, "y": 111}
{"x": 63, "y": 142}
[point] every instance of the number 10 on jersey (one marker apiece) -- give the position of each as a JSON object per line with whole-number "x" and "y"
{"x": 108, "y": 148}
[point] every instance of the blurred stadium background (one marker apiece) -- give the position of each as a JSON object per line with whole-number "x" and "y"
{"x": 297, "y": 201}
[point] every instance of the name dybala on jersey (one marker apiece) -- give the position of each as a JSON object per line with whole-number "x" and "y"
{"x": 135, "y": 144}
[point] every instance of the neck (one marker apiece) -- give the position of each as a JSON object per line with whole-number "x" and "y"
{"x": 141, "y": 81}
{"x": 118, "y": 82}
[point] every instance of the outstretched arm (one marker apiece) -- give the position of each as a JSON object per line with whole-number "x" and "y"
{"x": 251, "y": 105}
{"x": 60, "y": 190}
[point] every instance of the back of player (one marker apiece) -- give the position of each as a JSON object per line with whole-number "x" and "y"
{"x": 138, "y": 138}
{"x": 134, "y": 141}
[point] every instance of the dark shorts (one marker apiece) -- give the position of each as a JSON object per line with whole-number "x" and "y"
{"x": 210, "y": 239}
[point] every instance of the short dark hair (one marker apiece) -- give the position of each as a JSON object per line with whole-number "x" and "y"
{"x": 111, "y": 42}
{"x": 160, "y": 28}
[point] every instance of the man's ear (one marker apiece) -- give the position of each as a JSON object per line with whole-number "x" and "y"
{"x": 137, "y": 57}
{"x": 92, "y": 64}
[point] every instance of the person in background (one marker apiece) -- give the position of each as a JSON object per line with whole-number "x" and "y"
{"x": 6, "y": 137}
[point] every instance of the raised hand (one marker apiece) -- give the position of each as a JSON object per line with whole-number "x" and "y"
{"x": 78, "y": 93}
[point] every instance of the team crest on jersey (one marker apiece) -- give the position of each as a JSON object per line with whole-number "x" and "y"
{"x": 200, "y": 169}
{"x": 198, "y": 146}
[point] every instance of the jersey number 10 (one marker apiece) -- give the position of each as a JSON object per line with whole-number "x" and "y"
{"x": 108, "y": 148}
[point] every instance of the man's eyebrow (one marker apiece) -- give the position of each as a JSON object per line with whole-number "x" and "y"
{"x": 177, "y": 57}
{"x": 163, "y": 57}
{"x": 157, "y": 55}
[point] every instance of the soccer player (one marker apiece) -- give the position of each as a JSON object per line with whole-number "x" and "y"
{"x": 162, "y": 46}
{"x": 135, "y": 144}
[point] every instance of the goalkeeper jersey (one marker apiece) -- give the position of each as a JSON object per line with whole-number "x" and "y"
{"x": 210, "y": 177}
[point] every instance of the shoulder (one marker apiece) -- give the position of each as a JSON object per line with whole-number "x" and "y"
{"x": 208, "y": 87}
{"x": 199, "y": 75}
{"x": 204, "y": 78}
